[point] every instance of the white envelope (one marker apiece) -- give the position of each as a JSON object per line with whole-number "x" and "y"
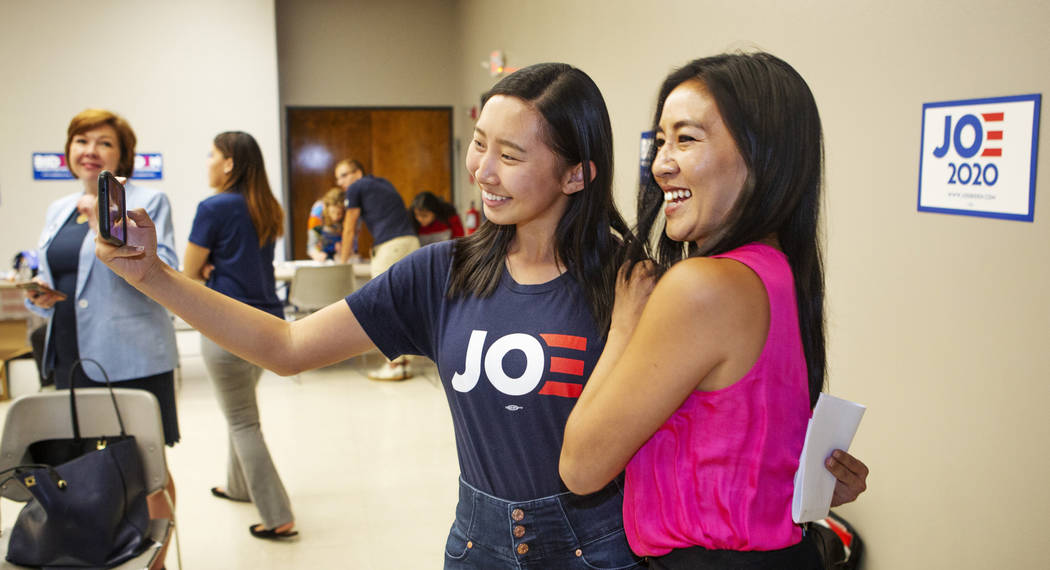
{"x": 832, "y": 427}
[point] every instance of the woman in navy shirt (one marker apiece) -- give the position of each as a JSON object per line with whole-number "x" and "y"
{"x": 231, "y": 248}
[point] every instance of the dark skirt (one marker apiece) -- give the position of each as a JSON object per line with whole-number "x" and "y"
{"x": 160, "y": 385}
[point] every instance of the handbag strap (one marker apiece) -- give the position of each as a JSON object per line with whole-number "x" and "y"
{"x": 73, "y": 399}
{"x": 58, "y": 480}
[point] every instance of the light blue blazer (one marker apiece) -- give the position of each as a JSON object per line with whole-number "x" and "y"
{"x": 125, "y": 331}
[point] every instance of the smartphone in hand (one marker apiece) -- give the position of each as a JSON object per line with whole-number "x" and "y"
{"x": 112, "y": 209}
{"x": 34, "y": 286}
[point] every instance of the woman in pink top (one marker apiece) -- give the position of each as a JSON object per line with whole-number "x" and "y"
{"x": 704, "y": 395}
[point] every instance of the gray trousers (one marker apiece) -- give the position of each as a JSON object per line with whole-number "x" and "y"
{"x": 250, "y": 472}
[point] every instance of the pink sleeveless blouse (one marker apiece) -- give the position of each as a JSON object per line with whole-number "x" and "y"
{"x": 719, "y": 472}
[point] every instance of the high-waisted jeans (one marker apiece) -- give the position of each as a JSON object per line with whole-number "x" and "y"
{"x": 561, "y": 531}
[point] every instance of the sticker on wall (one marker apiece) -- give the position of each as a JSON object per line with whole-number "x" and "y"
{"x": 978, "y": 157}
{"x": 52, "y": 166}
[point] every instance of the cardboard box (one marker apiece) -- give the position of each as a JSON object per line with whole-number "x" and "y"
{"x": 14, "y": 342}
{"x": 12, "y": 304}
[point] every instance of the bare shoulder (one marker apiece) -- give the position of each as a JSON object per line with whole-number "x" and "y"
{"x": 715, "y": 285}
{"x": 720, "y": 306}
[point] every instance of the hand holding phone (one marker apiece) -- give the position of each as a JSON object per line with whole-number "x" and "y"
{"x": 138, "y": 257}
{"x": 112, "y": 209}
{"x": 29, "y": 285}
{"x": 40, "y": 294}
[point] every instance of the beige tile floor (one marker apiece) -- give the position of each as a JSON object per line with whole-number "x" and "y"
{"x": 370, "y": 468}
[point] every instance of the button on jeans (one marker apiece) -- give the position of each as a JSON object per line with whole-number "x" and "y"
{"x": 561, "y": 531}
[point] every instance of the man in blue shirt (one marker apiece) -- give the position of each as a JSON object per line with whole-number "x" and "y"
{"x": 378, "y": 203}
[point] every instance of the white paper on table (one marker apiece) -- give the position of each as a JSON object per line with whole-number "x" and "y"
{"x": 832, "y": 427}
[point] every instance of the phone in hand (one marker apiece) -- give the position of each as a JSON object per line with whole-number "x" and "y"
{"x": 112, "y": 209}
{"x": 34, "y": 286}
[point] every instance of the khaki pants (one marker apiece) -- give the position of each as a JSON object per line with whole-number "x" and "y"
{"x": 391, "y": 251}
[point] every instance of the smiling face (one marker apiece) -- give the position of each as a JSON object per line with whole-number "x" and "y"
{"x": 93, "y": 151}
{"x": 697, "y": 165}
{"x": 523, "y": 182}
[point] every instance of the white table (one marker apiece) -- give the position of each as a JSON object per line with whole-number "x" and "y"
{"x": 285, "y": 270}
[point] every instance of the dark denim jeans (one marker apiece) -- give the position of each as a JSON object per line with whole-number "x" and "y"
{"x": 561, "y": 531}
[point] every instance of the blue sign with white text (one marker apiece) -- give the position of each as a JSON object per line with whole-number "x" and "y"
{"x": 148, "y": 166}
{"x": 52, "y": 166}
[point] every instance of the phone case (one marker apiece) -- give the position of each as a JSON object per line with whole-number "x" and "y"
{"x": 105, "y": 230}
{"x": 34, "y": 286}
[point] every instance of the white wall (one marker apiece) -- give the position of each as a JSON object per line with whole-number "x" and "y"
{"x": 365, "y": 53}
{"x": 179, "y": 72}
{"x": 361, "y": 53}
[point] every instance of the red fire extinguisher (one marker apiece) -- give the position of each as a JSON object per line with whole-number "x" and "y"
{"x": 471, "y": 219}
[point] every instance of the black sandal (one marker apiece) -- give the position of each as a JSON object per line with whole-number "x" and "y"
{"x": 272, "y": 534}
{"x": 222, "y": 495}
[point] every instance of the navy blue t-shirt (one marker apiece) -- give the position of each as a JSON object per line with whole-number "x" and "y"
{"x": 381, "y": 208}
{"x": 512, "y": 364}
{"x": 243, "y": 270}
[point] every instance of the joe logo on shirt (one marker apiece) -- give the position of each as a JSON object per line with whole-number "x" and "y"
{"x": 536, "y": 364}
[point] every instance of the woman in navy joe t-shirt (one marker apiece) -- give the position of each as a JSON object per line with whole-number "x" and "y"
{"x": 542, "y": 152}
{"x": 231, "y": 247}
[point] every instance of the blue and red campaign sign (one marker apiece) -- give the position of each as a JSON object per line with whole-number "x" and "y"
{"x": 979, "y": 157}
{"x": 52, "y": 166}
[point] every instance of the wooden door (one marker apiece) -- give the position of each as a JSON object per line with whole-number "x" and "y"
{"x": 412, "y": 148}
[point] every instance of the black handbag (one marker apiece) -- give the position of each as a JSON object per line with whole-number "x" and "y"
{"x": 87, "y": 511}
{"x": 58, "y": 451}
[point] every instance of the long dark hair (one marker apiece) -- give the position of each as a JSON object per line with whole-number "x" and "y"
{"x": 430, "y": 202}
{"x": 248, "y": 178}
{"x": 579, "y": 131}
{"x": 773, "y": 118}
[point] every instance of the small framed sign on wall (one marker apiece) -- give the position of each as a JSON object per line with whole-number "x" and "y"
{"x": 52, "y": 166}
{"x": 978, "y": 157}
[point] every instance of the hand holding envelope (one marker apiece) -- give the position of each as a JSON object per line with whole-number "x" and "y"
{"x": 832, "y": 427}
